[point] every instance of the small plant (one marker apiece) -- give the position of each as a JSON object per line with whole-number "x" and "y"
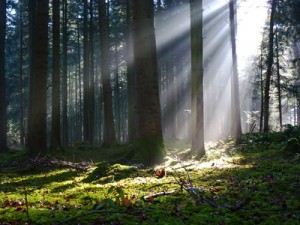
{"x": 119, "y": 199}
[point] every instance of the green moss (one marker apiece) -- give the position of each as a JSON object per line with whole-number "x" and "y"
{"x": 250, "y": 184}
{"x": 149, "y": 150}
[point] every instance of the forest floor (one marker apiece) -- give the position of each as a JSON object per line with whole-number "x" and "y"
{"x": 257, "y": 182}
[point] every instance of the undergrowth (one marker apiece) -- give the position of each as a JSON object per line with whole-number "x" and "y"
{"x": 256, "y": 182}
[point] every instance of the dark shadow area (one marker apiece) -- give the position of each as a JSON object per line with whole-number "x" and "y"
{"x": 106, "y": 173}
{"x": 38, "y": 182}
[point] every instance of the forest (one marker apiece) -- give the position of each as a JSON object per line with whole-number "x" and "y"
{"x": 147, "y": 112}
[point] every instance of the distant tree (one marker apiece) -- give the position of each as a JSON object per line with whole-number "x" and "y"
{"x": 278, "y": 78}
{"x": 131, "y": 79}
{"x": 55, "y": 123}
{"x": 86, "y": 86}
{"x": 270, "y": 61}
{"x": 261, "y": 91}
{"x": 91, "y": 98}
{"x": 109, "y": 130}
{"x": 197, "y": 109}
{"x": 21, "y": 75}
{"x": 64, "y": 87}
{"x": 3, "y": 122}
{"x": 149, "y": 139}
{"x": 236, "y": 129}
{"x": 37, "y": 129}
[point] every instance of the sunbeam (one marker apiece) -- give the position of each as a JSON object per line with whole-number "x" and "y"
{"x": 174, "y": 44}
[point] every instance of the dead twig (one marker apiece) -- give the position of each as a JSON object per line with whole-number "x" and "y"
{"x": 149, "y": 198}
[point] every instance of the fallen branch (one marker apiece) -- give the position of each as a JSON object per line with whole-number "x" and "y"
{"x": 149, "y": 198}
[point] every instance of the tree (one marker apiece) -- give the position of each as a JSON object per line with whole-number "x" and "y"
{"x": 55, "y": 123}
{"x": 270, "y": 61}
{"x": 278, "y": 79}
{"x": 149, "y": 139}
{"x": 236, "y": 129}
{"x": 37, "y": 129}
{"x": 197, "y": 110}
{"x": 65, "y": 76}
{"x": 109, "y": 130}
{"x": 130, "y": 75}
{"x": 91, "y": 97}
{"x": 3, "y": 122}
{"x": 21, "y": 76}
{"x": 86, "y": 86}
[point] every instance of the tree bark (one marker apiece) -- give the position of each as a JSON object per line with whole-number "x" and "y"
{"x": 86, "y": 86}
{"x": 91, "y": 77}
{"x": 65, "y": 76}
{"x": 236, "y": 129}
{"x": 197, "y": 109}
{"x": 3, "y": 120}
{"x": 37, "y": 135}
{"x": 269, "y": 68}
{"x": 55, "y": 123}
{"x": 109, "y": 129}
{"x": 261, "y": 92}
{"x": 21, "y": 76}
{"x": 117, "y": 96}
{"x": 278, "y": 80}
{"x": 149, "y": 139}
{"x": 131, "y": 79}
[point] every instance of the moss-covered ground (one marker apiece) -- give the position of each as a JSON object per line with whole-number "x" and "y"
{"x": 257, "y": 182}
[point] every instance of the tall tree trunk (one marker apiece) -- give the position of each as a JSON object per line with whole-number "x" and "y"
{"x": 85, "y": 72}
{"x": 37, "y": 127}
{"x": 109, "y": 130}
{"x": 149, "y": 139}
{"x": 197, "y": 110}
{"x": 117, "y": 95}
{"x": 91, "y": 77}
{"x": 55, "y": 123}
{"x": 3, "y": 121}
{"x": 130, "y": 76}
{"x": 65, "y": 76}
{"x": 269, "y": 67}
{"x": 80, "y": 112}
{"x": 278, "y": 80}
{"x": 21, "y": 76}
{"x": 32, "y": 42}
{"x": 261, "y": 92}
{"x": 236, "y": 129}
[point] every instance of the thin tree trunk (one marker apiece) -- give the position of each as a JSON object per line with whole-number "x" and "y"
{"x": 80, "y": 112}
{"x": 197, "y": 130}
{"x": 117, "y": 95}
{"x": 236, "y": 129}
{"x": 91, "y": 98}
{"x": 32, "y": 42}
{"x": 86, "y": 86}
{"x": 261, "y": 93}
{"x": 65, "y": 76}
{"x": 278, "y": 81}
{"x": 21, "y": 76}
{"x": 109, "y": 130}
{"x": 130, "y": 76}
{"x": 3, "y": 120}
{"x": 55, "y": 124}
{"x": 269, "y": 68}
